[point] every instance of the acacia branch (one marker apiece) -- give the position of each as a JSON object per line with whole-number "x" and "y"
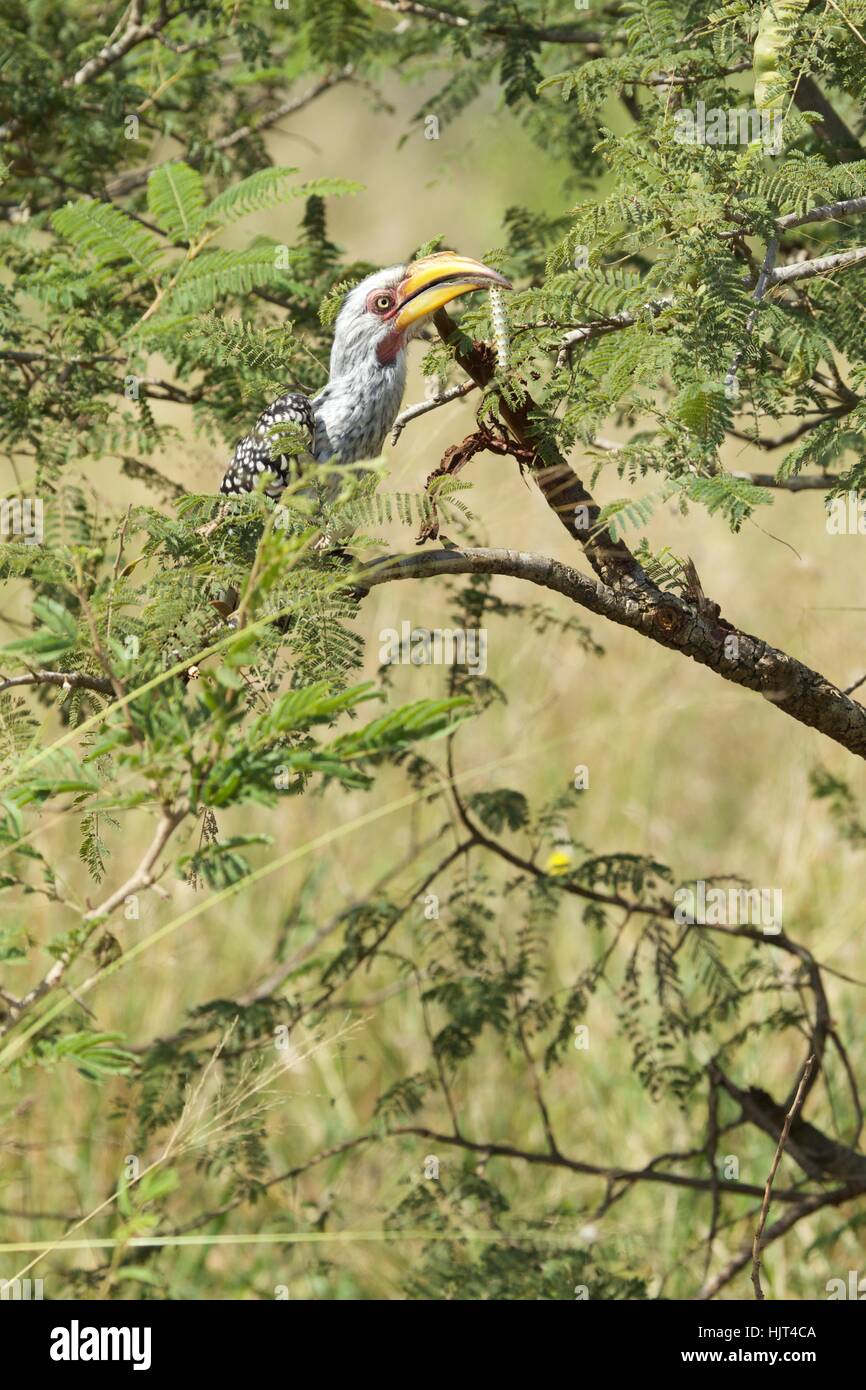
{"x": 146, "y": 473}
{"x": 266, "y": 988}
{"x": 143, "y": 877}
{"x": 614, "y": 324}
{"x": 757, "y": 1244}
{"x": 807, "y": 482}
{"x": 558, "y": 1160}
{"x": 806, "y": 1207}
{"x": 412, "y": 412}
{"x": 134, "y": 34}
{"x": 559, "y": 33}
{"x": 665, "y": 618}
{"x": 803, "y": 1206}
{"x": 828, "y": 212}
{"x": 12, "y": 355}
{"x": 783, "y": 275}
{"x": 67, "y": 680}
{"x": 564, "y": 885}
{"x": 809, "y": 97}
{"x": 764, "y": 281}
{"x": 821, "y": 265}
{"x": 110, "y": 53}
{"x": 286, "y": 108}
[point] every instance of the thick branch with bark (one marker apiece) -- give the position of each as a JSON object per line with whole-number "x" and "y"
{"x": 665, "y": 618}
{"x": 821, "y": 265}
{"x": 66, "y": 680}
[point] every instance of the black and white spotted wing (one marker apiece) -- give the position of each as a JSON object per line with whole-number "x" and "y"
{"x": 252, "y": 456}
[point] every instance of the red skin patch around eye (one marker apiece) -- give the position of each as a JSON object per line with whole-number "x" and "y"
{"x": 388, "y": 346}
{"x": 373, "y": 306}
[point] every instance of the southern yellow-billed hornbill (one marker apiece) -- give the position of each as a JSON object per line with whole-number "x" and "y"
{"x": 349, "y": 419}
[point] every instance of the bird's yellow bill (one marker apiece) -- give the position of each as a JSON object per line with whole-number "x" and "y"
{"x": 434, "y": 281}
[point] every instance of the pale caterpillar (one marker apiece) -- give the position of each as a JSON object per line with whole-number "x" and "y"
{"x": 500, "y": 326}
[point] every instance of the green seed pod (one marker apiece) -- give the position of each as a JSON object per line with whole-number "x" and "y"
{"x": 775, "y": 33}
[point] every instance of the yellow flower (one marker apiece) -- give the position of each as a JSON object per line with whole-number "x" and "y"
{"x": 558, "y": 862}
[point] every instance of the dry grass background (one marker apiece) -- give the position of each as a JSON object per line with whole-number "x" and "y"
{"x": 708, "y": 778}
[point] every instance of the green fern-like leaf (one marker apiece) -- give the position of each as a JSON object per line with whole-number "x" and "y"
{"x": 705, "y": 410}
{"x": 267, "y": 188}
{"x": 337, "y": 29}
{"x": 664, "y": 569}
{"x": 204, "y": 280}
{"x": 18, "y": 727}
{"x": 229, "y": 341}
{"x": 261, "y": 190}
{"x": 625, "y": 513}
{"x": 735, "y": 498}
{"x": 175, "y": 199}
{"x": 107, "y": 234}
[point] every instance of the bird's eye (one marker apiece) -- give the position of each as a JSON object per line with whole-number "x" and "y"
{"x": 383, "y": 303}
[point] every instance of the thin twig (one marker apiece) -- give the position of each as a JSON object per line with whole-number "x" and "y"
{"x": 143, "y": 877}
{"x": 764, "y": 280}
{"x": 412, "y": 412}
{"x": 586, "y": 331}
{"x": 757, "y": 1243}
{"x": 561, "y": 33}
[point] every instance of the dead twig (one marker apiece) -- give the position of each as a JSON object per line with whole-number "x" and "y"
{"x": 757, "y": 1243}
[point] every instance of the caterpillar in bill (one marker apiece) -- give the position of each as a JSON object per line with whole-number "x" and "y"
{"x": 500, "y": 327}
